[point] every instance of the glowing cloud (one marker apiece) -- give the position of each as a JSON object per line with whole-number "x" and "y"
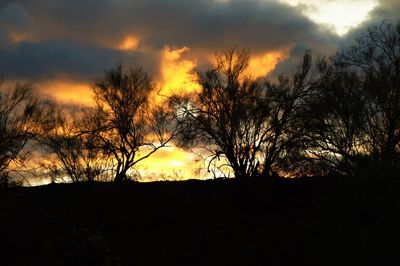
{"x": 342, "y": 15}
{"x": 176, "y": 72}
{"x": 262, "y": 64}
{"x": 18, "y": 37}
{"x": 68, "y": 91}
{"x": 130, "y": 43}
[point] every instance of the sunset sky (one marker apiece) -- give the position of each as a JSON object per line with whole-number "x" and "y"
{"x": 61, "y": 46}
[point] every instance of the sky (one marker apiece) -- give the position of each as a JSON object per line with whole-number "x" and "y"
{"x": 340, "y": 15}
{"x": 62, "y": 46}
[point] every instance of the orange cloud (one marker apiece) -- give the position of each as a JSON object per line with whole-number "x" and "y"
{"x": 17, "y": 37}
{"x": 130, "y": 43}
{"x": 262, "y": 64}
{"x": 176, "y": 72}
{"x": 68, "y": 91}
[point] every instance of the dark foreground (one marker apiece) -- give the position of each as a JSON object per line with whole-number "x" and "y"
{"x": 325, "y": 221}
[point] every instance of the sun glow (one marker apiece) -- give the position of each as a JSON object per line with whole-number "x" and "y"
{"x": 342, "y": 15}
{"x": 169, "y": 163}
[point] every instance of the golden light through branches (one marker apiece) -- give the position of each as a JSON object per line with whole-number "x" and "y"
{"x": 176, "y": 76}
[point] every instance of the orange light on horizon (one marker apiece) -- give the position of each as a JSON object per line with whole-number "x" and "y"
{"x": 169, "y": 163}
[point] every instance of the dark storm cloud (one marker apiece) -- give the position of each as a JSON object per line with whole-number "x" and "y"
{"x": 77, "y": 37}
{"x": 52, "y": 59}
{"x": 196, "y": 23}
{"x": 14, "y": 16}
{"x": 13, "y": 19}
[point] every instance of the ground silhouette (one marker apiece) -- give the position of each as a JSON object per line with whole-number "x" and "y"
{"x": 310, "y": 221}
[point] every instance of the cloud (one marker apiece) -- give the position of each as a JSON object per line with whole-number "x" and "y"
{"x": 79, "y": 39}
{"x": 197, "y": 24}
{"x": 387, "y": 10}
{"x": 15, "y": 16}
{"x": 15, "y": 24}
{"x": 341, "y": 15}
{"x": 64, "y": 59}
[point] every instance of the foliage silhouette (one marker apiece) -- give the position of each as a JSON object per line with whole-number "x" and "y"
{"x": 129, "y": 129}
{"x": 350, "y": 117}
{"x": 376, "y": 58}
{"x": 284, "y": 152}
{"x": 76, "y": 155}
{"x": 338, "y": 115}
{"x": 332, "y": 119}
{"x": 23, "y": 117}
{"x": 239, "y": 118}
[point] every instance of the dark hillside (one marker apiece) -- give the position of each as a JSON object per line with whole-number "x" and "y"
{"x": 325, "y": 221}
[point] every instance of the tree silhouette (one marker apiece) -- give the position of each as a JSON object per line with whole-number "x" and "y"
{"x": 333, "y": 120}
{"x": 284, "y": 145}
{"x": 376, "y": 58}
{"x": 77, "y": 155}
{"x": 239, "y": 118}
{"x": 129, "y": 129}
{"x": 223, "y": 115}
{"x": 338, "y": 115}
{"x": 23, "y": 117}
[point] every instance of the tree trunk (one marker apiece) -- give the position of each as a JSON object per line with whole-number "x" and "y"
{"x": 120, "y": 177}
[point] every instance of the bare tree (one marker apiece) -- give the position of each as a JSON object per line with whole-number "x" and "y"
{"x": 238, "y": 118}
{"x": 283, "y": 147}
{"x": 126, "y": 124}
{"x": 22, "y": 118}
{"x": 76, "y": 155}
{"x": 221, "y": 116}
{"x": 376, "y": 57}
{"x": 332, "y": 118}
